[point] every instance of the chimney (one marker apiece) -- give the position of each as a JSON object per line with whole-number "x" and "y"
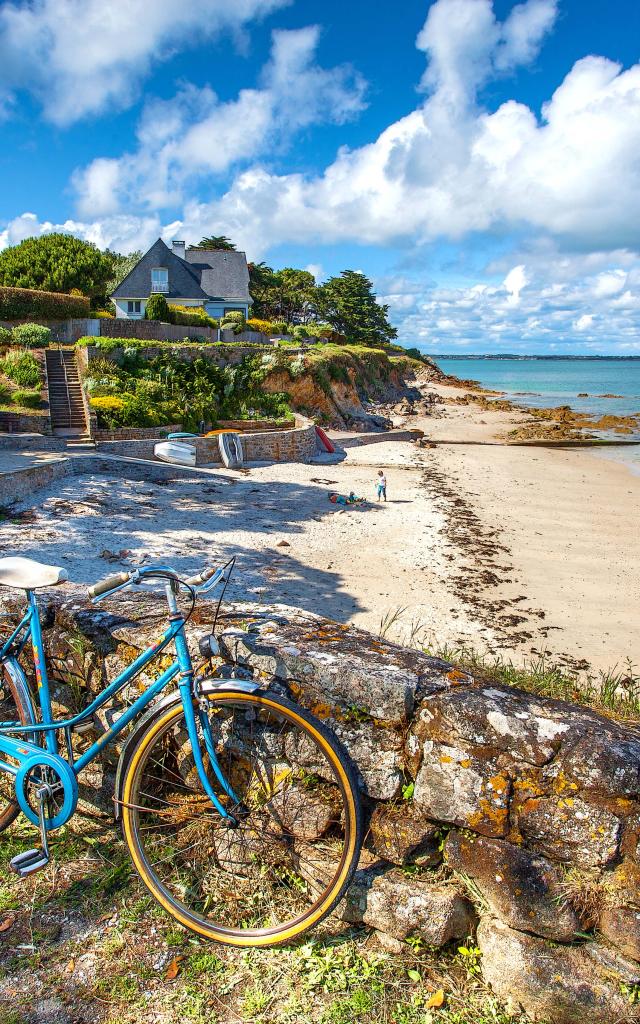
{"x": 178, "y": 248}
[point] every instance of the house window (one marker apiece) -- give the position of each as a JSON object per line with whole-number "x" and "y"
{"x": 133, "y": 307}
{"x": 159, "y": 279}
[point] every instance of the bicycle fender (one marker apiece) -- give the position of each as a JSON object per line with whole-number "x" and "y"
{"x": 19, "y": 680}
{"x": 206, "y": 685}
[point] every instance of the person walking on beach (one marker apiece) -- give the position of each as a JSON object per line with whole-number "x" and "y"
{"x": 381, "y": 483}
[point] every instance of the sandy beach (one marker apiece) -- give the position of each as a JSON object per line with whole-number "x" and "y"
{"x": 514, "y": 551}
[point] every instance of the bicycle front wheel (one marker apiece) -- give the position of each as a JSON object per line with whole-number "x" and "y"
{"x": 298, "y": 832}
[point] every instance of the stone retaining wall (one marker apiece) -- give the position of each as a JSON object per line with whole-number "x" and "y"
{"x": 25, "y": 422}
{"x": 296, "y": 445}
{"x": 220, "y": 355}
{"x": 489, "y": 811}
{"x": 144, "y": 433}
{"x": 21, "y": 484}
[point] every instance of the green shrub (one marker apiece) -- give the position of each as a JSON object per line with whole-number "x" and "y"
{"x": 5, "y": 393}
{"x": 191, "y": 316}
{"x": 30, "y": 304}
{"x": 22, "y": 368}
{"x": 5, "y": 336}
{"x": 27, "y": 399}
{"x": 262, "y": 326}
{"x": 31, "y": 335}
{"x": 280, "y": 327}
{"x": 103, "y": 314}
{"x": 234, "y": 316}
{"x": 158, "y": 309}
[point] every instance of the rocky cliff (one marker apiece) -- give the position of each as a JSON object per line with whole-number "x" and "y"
{"x": 338, "y": 384}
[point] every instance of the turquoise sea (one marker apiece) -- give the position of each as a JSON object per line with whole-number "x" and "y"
{"x": 543, "y": 382}
{"x": 579, "y": 383}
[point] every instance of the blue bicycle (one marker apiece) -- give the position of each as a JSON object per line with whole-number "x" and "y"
{"x": 239, "y": 809}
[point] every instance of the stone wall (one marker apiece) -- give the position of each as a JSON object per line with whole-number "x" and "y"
{"x": 154, "y": 331}
{"x": 22, "y": 484}
{"x": 220, "y": 355}
{"x": 25, "y": 422}
{"x": 144, "y": 433}
{"x": 295, "y": 445}
{"x": 490, "y": 812}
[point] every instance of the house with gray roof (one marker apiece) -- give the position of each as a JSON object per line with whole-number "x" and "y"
{"x": 215, "y": 279}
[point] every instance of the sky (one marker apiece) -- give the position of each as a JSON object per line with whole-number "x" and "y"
{"x": 479, "y": 160}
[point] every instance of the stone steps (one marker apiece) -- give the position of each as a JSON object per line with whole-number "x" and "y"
{"x": 66, "y": 404}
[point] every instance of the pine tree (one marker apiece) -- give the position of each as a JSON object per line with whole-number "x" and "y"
{"x": 349, "y": 304}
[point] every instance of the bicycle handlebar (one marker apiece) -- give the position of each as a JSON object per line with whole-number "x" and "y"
{"x": 202, "y": 577}
{"x": 110, "y": 583}
{"x": 202, "y": 581}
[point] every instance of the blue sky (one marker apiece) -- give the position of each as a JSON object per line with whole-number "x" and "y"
{"x": 478, "y": 160}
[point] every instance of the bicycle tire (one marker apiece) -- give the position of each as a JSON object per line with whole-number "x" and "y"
{"x": 147, "y": 797}
{"x": 13, "y": 708}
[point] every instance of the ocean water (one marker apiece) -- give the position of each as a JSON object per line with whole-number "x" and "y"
{"x": 546, "y": 382}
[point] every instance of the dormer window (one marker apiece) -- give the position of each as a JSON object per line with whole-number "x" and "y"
{"x": 159, "y": 279}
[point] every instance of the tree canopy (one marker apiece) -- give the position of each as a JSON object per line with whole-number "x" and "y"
{"x": 215, "y": 242}
{"x": 349, "y": 304}
{"x": 286, "y": 294}
{"x": 121, "y": 266}
{"x": 57, "y": 263}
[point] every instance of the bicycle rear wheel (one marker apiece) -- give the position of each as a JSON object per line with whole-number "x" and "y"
{"x": 14, "y": 709}
{"x": 298, "y": 835}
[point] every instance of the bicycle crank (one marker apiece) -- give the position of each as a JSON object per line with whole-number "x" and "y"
{"x": 47, "y": 790}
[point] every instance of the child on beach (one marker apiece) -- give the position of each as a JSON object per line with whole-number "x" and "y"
{"x": 381, "y": 484}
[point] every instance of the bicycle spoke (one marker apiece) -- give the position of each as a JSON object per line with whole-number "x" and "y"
{"x": 285, "y": 844}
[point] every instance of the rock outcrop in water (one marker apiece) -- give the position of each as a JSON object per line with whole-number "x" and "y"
{"x": 489, "y": 809}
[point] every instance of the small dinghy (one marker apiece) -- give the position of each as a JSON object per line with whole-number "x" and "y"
{"x": 175, "y": 451}
{"x": 230, "y": 447}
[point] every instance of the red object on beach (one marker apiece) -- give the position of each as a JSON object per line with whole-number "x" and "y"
{"x": 324, "y": 440}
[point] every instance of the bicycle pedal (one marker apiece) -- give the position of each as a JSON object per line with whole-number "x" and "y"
{"x": 26, "y": 863}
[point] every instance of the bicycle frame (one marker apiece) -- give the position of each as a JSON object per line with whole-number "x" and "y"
{"x": 18, "y": 740}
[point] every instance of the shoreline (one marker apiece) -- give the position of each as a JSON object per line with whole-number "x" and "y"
{"x": 552, "y": 422}
{"x": 513, "y": 550}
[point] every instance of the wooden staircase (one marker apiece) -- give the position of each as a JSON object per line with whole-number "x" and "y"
{"x": 66, "y": 405}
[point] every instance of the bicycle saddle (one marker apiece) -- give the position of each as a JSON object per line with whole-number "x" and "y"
{"x": 27, "y": 574}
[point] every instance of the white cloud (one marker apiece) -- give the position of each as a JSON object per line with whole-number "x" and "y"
{"x": 450, "y": 168}
{"x": 317, "y": 270}
{"x": 514, "y": 282}
{"x": 584, "y": 322}
{"x": 610, "y": 283}
{"x": 122, "y": 232}
{"x": 81, "y": 57}
{"x": 558, "y": 306}
{"x": 194, "y": 134}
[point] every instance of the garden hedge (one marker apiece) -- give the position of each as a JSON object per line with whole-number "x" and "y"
{"x": 30, "y": 304}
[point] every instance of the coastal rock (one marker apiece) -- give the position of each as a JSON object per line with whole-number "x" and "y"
{"x": 556, "y": 984}
{"x": 402, "y": 906}
{"x": 521, "y": 888}
{"x": 332, "y": 663}
{"x": 378, "y": 754}
{"x": 400, "y": 835}
{"x": 612, "y": 767}
{"x": 454, "y": 786}
{"x": 621, "y": 926}
{"x": 500, "y": 719}
{"x": 568, "y": 829}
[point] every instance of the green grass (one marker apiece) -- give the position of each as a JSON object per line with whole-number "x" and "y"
{"x": 125, "y": 947}
{"x": 615, "y": 692}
